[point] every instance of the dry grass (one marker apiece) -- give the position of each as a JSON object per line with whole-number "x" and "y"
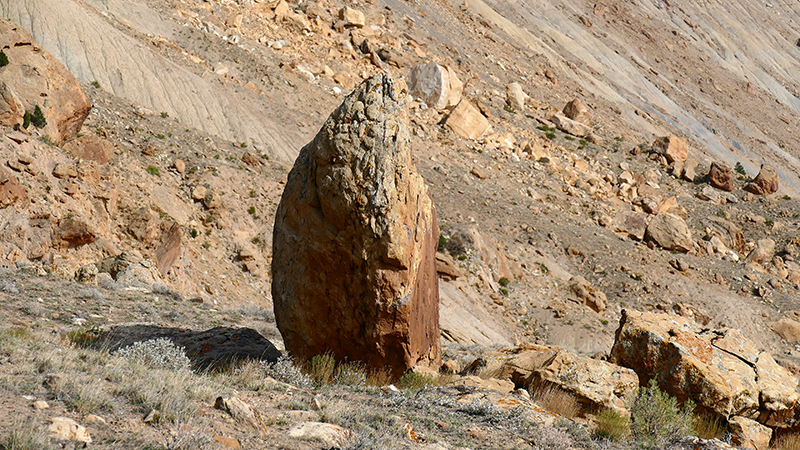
{"x": 612, "y": 425}
{"x": 25, "y": 438}
{"x": 555, "y": 400}
{"x": 789, "y": 441}
{"x": 709, "y": 427}
{"x": 321, "y": 369}
{"x": 379, "y": 377}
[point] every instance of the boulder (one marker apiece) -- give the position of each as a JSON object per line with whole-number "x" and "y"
{"x": 728, "y": 232}
{"x": 765, "y": 183}
{"x": 588, "y": 294}
{"x": 788, "y": 329}
{"x": 466, "y": 121}
{"x": 669, "y": 232}
{"x": 10, "y": 189}
{"x": 673, "y": 148}
{"x": 355, "y": 238}
{"x": 689, "y": 169}
{"x": 38, "y": 79}
{"x": 516, "y": 97}
{"x": 352, "y": 17}
{"x": 632, "y": 223}
{"x": 74, "y": 233}
{"x": 720, "y": 370}
{"x": 438, "y": 87}
{"x": 570, "y": 126}
{"x": 595, "y": 384}
{"x": 721, "y": 176}
{"x": 576, "y": 111}
{"x": 747, "y": 433}
{"x": 327, "y": 434}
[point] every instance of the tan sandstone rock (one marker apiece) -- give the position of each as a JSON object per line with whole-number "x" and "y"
{"x": 516, "y": 96}
{"x": 577, "y": 111}
{"x": 49, "y": 86}
{"x": 720, "y": 370}
{"x": 91, "y": 147}
{"x": 355, "y": 239}
{"x": 673, "y": 148}
{"x": 11, "y": 109}
{"x": 765, "y": 183}
{"x": 570, "y": 126}
{"x": 670, "y": 232}
{"x": 66, "y": 429}
{"x": 467, "y": 121}
{"x": 747, "y": 433}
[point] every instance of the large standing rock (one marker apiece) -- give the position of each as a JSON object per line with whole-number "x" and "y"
{"x": 670, "y": 232}
{"x": 576, "y": 110}
{"x": 355, "y": 239}
{"x": 766, "y": 182}
{"x": 437, "y": 86}
{"x": 720, "y": 370}
{"x": 721, "y": 176}
{"x": 38, "y": 79}
{"x": 516, "y": 96}
{"x": 672, "y": 147}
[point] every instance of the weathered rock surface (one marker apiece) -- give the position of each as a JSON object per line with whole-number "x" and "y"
{"x": 241, "y": 411}
{"x": 588, "y": 294}
{"x": 576, "y": 110}
{"x": 747, "y": 433}
{"x": 437, "y": 86}
{"x": 91, "y": 147}
{"x": 720, "y": 370}
{"x": 765, "y": 183}
{"x": 670, "y": 232}
{"x": 516, "y": 96}
{"x": 467, "y": 121}
{"x": 673, "y": 148}
{"x": 11, "y": 109}
{"x": 38, "y": 79}
{"x": 328, "y": 434}
{"x": 763, "y": 251}
{"x": 66, "y": 429}
{"x": 355, "y": 239}
{"x": 721, "y": 176}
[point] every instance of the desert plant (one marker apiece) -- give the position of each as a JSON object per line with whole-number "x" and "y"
{"x": 555, "y": 400}
{"x": 37, "y": 118}
{"x": 416, "y": 381}
{"x": 286, "y": 371}
{"x": 153, "y": 170}
{"x": 612, "y": 425}
{"x": 25, "y": 438}
{"x": 350, "y": 374}
{"x": 739, "y": 168}
{"x": 158, "y": 353}
{"x": 26, "y": 119}
{"x": 96, "y": 84}
{"x": 321, "y": 369}
{"x": 379, "y": 377}
{"x": 3, "y": 59}
{"x": 656, "y": 418}
{"x": 503, "y": 281}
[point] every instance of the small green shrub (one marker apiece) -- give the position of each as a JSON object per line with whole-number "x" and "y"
{"x": 550, "y": 135}
{"x": 153, "y": 170}
{"x": 193, "y": 233}
{"x": 96, "y": 84}
{"x": 251, "y": 210}
{"x": 442, "y": 243}
{"x": 414, "y": 382}
{"x": 321, "y": 369}
{"x": 350, "y": 374}
{"x": 612, "y": 425}
{"x": 503, "y": 291}
{"x": 656, "y": 418}
{"x": 786, "y": 197}
{"x": 769, "y": 223}
{"x": 256, "y": 240}
{"x": 26, "y": 120}
{"x": 3, "y": 59}
{"x": 722, "y": 213}
{"x": 164, "y": 114}
{"x": 206, "y": 245}
{"x": 37, "y": 118}
{"x": 739, "y": 168}
{"x": 503, "y": 281}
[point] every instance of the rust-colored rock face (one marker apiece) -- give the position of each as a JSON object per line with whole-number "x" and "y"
{"x": 355, "y": 238}
{"x": 36, "y": 78}
{"x": 721, "y": 176}
{"x": 766, "y": 182}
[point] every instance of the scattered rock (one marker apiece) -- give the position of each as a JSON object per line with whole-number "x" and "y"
{"x": 227, "y": 442}
{"x": 747, "y": 433}
{"x": 689, "y": 170}
{"x": 765, "y": 183}
{"x": 570, "y": 126}
{"x": 74, "y": 233}
{"x": 328, "y": 434}
{"x": 446, "y": 267}
{"x": 62, "y": 170}
{"x": 352, "y": 17}
{"x": 437, "y": 86}
{"x": 721, "y": 176}
{"x": 675, "y": 149}
{"x": 370, "y": 237}
{"x": 576, "y": 110}
{"x": 466, "y": 121}
{"x": 632, "y": 223}
{"x": 478, "y": 173}
{"x": 788, "y": 329}
{"x": 764, "y": 251}
{"x": 66, "y": 429}
{"x": 670, "y": 232}
{"x": 10, "y": 189}
{"x": 40, "y": 404}
{"x": 179, "y": 165}
{"x": 199, "y": 193}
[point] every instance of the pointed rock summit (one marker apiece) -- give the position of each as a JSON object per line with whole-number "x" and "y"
{"x": 355, "y": 237}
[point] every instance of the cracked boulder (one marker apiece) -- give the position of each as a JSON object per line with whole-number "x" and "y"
{"x": 355, "y": 238}
{"x": 720, "y": 370}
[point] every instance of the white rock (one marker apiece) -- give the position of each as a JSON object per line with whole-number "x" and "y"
{"x": 67, "y": 429}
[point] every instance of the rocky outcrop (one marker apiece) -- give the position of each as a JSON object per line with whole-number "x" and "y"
{"x": 355, "y": 240}
{"x": 38, "y": 79}
{"x": 720, "y": 370}
{"x": 669, "y": 232}
{"x": 765, "y": 183}
{"x": 747, "y": 433}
